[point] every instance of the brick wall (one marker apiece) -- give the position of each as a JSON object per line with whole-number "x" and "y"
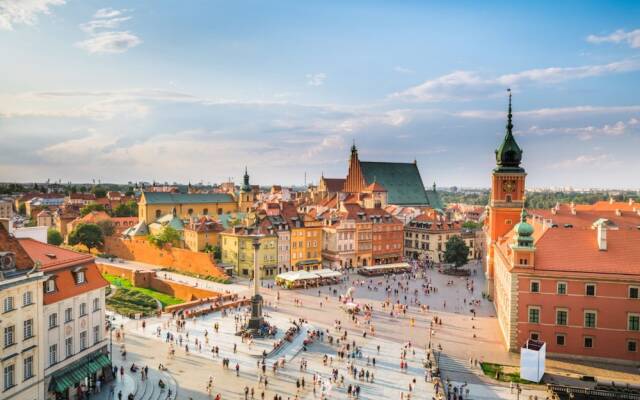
{"x": 179, "y": 259}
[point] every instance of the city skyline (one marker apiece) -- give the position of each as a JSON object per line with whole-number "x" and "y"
{"x": 141, "y": 91}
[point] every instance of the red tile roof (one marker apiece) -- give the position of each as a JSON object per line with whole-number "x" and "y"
{"x": 334, "y": 184}
{"x": 375, "y": 187}
{"x": 59, "y": 262}
{"x": 585, "y": 218}
{"x": 10, "y": 244}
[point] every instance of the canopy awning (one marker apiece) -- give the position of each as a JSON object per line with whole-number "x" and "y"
{"x": 384, "y": 267}
{"x": 297, "y": 275}
{"x": 328, "y": 273}
{"x": 77, "y": 372}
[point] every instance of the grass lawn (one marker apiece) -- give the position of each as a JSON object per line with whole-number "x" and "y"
{"x": 165, "y": 299}
{"x": 491, "y": 370}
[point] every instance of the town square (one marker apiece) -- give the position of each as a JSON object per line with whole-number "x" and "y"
{"x": 316, "y": 200}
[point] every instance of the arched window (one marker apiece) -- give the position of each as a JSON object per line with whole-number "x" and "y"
{"x": 205, "y": 211}
{"x": 190, "y": 211}
{"x": 158, "y": 213}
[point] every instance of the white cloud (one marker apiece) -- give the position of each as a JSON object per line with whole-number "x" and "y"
{"x": 402, "y": 70}
{"x": 102, "y": 36}
{"x": 586, "y": 132}
{"x": 316, "y": 79}
{"x": 110, "y": 42}
{"x": 466, "y": 85}
{"x": 632, "y": 38}
{"x": 596, "y": 160}
{"x": 24, "y": 12}
{"x": 107, "y": 13}
{"x": 549, "y": 112}
{"x": 78, "y": 149}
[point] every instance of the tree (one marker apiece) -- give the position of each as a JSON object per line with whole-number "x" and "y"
{"x": 129, "y": 192}
{"x": 168, "y": 235}
{"x": 128, "y": 209}
{"x": 107, "y": 227}
{"x": 100, "y": 192}
{"x": 54, "y": 237}
{"x": 89, "y": 235}
{"x": 456, "y": 251}
{"x": 91, "y": 207}
{"x": 215, "y": 250}
{"x": 22, "y": 210}
{"x": 471, "y": 225}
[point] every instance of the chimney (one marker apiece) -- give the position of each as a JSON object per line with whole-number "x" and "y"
{"x": 618, "y": 212}
{"x": 630, "y": 202}
{"x": 610, "y": 200}
{"x": 602, "y": 236}
{"x": 573, "y": 209}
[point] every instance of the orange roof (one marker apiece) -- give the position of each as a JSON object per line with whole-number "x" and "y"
{"x": 52, "y": 257}
{"x": 334, "y": 184}
{"x": 375, "y": 187}
{"x": 576, "y": 250}
{"x": 10, "y": 244}
{"x": 609, "y": 206}
{"x": 585, "y": 218}
{"x": 95, "y": 216}
{"x": 58, "y": 262}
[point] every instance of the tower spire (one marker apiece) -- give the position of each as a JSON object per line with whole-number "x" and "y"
{"x": 509, "y": 154}
{"x": 509, "y": 116}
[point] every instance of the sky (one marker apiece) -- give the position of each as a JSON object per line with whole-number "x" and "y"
{"x": 196, "y": 90}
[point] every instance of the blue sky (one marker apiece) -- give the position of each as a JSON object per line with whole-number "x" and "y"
{"x": 195, "y": 90}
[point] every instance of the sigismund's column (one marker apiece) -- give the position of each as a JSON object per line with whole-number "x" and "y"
{"x": 256, "y": 321}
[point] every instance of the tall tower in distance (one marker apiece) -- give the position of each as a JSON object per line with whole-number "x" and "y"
{"x": 506, "y": 199}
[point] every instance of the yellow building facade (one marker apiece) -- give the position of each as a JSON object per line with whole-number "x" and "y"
{"x": 238, "y": 252}
{"x": 306, "y": 243}
{"x": 153, "y": 205}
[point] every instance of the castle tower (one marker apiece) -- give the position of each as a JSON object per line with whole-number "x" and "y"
{"x": 507, "y": 193}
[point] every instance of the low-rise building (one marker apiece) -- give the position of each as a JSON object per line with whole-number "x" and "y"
{"x": 74, "y": 347}
{"x": 426, "y": 236}
{"x": 21, "y": 295}
{"x": 238, "y": 251}
{"x": 202, "y": 233}
{"x": 6, "y": 209}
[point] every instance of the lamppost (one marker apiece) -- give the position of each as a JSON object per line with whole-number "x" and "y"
{"x": 257, "y": 320}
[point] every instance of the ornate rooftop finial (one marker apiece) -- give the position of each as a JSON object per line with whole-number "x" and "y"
{"x": 353, "y": 147}
{"x": 510, "y": 114}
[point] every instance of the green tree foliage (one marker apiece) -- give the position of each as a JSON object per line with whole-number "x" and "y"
{"x": 54, "y": 237}
{"x": 129, "y": 191}
{"x": 215, "y": 250}
{"x": 89, "y": 235}
{"x": 107, "y": 227}
{"x": 12, "y": 188}
{"x": 471, "y": 225}
{"x": 99, "y": 191}
{"x": 456, "y": 251}
{"x": 128, "y": 209}
{"x": 478, "y": 199}
{"x": 91, "y": 207}
{"x": 168, "y": 235}
{"x": 23, "y": 209}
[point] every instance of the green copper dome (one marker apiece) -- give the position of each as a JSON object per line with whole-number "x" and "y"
{"x": 509, "y": 154}
{"x": 524, "y": 231}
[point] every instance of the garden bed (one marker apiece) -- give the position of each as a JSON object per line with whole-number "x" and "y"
{"x": 165, "y": 299}
{"x": 210, "y": 278}
{"x": 504, "y": 373}
{"x": 129, "y": 302}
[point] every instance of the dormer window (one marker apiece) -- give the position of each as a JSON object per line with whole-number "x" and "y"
{"x": 50, "y": 286}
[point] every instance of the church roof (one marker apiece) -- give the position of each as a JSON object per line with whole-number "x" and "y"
{"x": 334, "y": 184}
{"x": 402, "y": 181}
{"x": 191, "y": 198}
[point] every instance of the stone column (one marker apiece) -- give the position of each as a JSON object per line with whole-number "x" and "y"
{"x": 256, "y": 321}
{"x": 256, "y": 268}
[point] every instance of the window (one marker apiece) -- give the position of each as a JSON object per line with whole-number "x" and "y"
{"x": 590, "y": 289}
{"x": 80, "y": 277}
{"x": 83, "y": 340}
{"x": 190, "y": 212}
{"x": 96, "y": 334}
{"x": 560, "y": 340}
{"x": 534, "y": 315}
{"x": 632, "y": 346}
{"x": 53, "y": 320}
{"x": 83, "y": 309}
{"x": 28, "y": 368}
{"x": 634, "y": 322}
{"x": 96, "y": 304}
{"x": 534, "y": 336}
{"x": 9, "y": 335}
{"x": 561, "y": 317}
{"x": 68, "y": 314}
{"x": 562, "y": 288}
{"x": 53, "y": 354}
{"x": 68, "y": 347}
{"x": 28, "y": 329}
{"x": 50, "y": 286}
{"x": 588, "y": 342}
{"x": 9, "y": 376}
{"x": 158, "y": 214}
{"x": 8, "y": 304}
{"x": 535, "y": 285}
{"x": 634, "y": 292}
{"x": 589, "y": 319}
{"x": 205, "y": 211}
{"x": 27, "y": 299}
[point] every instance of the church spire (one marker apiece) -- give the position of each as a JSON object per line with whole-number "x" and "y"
{"x": 246, "y": 187}
{"x": 509, "y": 154}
